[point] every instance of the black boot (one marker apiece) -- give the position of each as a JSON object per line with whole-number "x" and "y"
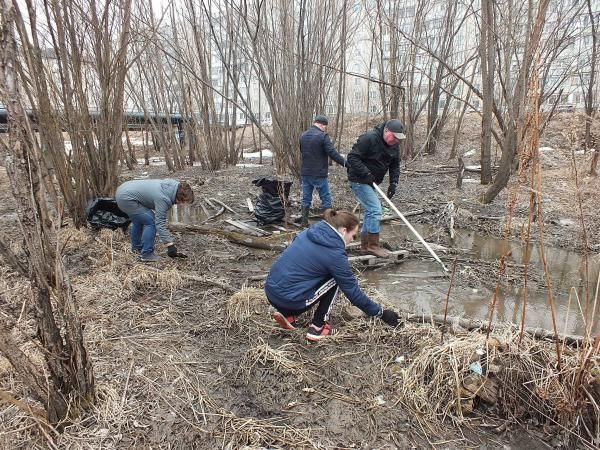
{"x": 304, "y": 220}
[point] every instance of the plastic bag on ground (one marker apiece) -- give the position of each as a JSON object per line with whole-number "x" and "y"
{"x": 104, "y": 212}
{"x": 269, "y": 207}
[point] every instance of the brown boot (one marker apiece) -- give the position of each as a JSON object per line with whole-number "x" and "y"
{"x": 373, "y": 246}
{"x": 364, "y": 243}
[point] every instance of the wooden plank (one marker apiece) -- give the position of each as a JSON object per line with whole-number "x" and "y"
{"x": 204, "y": 209}
{"x": 420, "y": 275}
{"x": 209, "y": 203}
{"x": 246, "y": 227}
{"x": 223, "y": 205}
{"x": 250, "y": 205}
{"x": 396, "y": 255}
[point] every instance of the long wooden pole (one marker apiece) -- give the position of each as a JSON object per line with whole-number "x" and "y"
{"x": 410, "y": 227}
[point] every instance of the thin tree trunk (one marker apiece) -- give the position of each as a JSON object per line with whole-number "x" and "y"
{"x": 487, "y": 54}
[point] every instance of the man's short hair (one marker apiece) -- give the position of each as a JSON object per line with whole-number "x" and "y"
{"x": 185, "y": 193}
{"x": 321, "y": 119}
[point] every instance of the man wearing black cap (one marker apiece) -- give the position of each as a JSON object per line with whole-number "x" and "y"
{"x": 375, "y": 153}
{"x": 316, "y": 147}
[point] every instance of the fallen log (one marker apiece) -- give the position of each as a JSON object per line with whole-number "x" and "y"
{"x": 474, "y": 324}
{"x": 232, "y": 236}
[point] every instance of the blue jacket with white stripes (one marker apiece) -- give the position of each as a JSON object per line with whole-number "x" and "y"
{"x": 316, "y": 256}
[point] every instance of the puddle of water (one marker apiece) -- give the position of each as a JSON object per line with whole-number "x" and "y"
{"x": 428, "y": 295}
{"x": 188, "y": 214}
{"x": 424, "y": 294}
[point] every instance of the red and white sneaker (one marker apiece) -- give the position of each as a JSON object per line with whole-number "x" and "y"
{"x": 287, "y": 323}
{"x": 315, "y": 333}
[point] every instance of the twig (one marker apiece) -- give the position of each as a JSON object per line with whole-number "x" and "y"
{"x": 223, "y": 205}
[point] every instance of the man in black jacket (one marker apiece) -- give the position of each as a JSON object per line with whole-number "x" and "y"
{"x": 316, "y": 147}
{"x": 375, "y": 153}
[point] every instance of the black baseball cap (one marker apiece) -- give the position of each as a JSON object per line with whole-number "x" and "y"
{"x": 396, "y": 127}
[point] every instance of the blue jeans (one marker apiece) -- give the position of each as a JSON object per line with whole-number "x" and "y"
{"x": 143, "y": 231}
{"x": 370, "y": 202}
{"x": 320, "y": 183}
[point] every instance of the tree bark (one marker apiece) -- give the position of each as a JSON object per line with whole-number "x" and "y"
{"x": 70, "y": 369}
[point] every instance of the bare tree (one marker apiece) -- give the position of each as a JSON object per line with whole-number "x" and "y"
{"x": 487, "y": 55}
{"x": 292, "y": 52}
{"x": 589, "y": 90}
{"x": 55, "y": 308}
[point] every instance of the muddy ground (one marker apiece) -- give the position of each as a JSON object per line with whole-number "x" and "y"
{"x": 175, "y": 368}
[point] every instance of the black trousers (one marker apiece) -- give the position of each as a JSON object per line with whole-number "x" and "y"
{"x": 324, "y": 298}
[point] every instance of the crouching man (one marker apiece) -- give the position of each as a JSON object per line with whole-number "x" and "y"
{"x": 147, "y": 203}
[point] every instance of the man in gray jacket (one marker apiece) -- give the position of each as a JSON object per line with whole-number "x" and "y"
{"x": 147, "y": 202}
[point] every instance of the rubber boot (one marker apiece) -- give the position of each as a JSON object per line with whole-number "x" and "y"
{"x": 373, "y": 246}
{"x": 364, "y": 243}
{"x": 304, "y": 220}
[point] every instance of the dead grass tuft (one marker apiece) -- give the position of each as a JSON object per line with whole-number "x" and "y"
{"x": 447, "y": 381}
{"x": 248, "y": 432}
{"x": 282, "y": 360}
{"x": 142, "y": 276}
{"x": 242, "y": 305}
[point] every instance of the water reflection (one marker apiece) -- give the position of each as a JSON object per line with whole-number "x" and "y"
{"x": 187, "y": 214}
{"x": 427, "y": 295}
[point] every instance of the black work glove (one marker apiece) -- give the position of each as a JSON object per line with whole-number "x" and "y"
{"x": 390, "y": 317}
{"x": 173, "y": 253}
{"x": 370, "y": 179}
{"x": 392, "y": 190}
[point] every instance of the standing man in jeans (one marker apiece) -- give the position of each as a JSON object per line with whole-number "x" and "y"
{"x": 147, "y": 202}
{"x": 316, "y": 147}
{"x": 375, "y": 153}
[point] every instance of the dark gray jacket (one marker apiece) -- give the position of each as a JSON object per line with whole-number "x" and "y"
{"x": 316, "y": 146}
{"x": 371, "y": 158}
{"x": 137, "y": 196}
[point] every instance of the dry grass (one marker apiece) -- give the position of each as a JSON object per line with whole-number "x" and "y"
{"x": 242, "y": 305}
{"x": 283, "y": 360}
{"x": 522, "y": 380}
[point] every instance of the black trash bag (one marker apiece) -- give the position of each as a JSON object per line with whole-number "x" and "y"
{"x": 269, "y": 207}
{"x": 273, "y": 186}
{"x": 104, "y": 212}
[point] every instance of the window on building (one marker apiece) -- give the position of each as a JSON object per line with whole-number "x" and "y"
{"x": 372, "y": 94}
{"x": 373, "y": 108}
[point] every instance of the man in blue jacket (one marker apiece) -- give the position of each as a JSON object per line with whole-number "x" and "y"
{"x": 316, "y": 148}
{"x": 147, "y": 202}
{"x": 373, "y": 155}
